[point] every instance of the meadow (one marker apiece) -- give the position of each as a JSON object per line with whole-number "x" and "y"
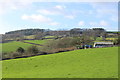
{"x": 84, "y": 63}
{"x": 111, "y": 39}
{"x": 49, "y": 37}
{"x": 12, "y": 46}
{"x": 37, "y": 41}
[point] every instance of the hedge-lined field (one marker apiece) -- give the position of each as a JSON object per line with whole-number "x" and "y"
{"x": 12, "y": 46}
{"x": 87, "y": 63}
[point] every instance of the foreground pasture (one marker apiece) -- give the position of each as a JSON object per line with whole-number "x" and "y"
{"x": 89, "y": 63}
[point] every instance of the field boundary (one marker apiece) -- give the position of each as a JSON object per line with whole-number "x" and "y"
{"x": 32, "y": 43}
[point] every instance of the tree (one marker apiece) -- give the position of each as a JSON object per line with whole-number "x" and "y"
{"x": 39, "y": 35}
{"x": 33, "y": 50}
{"x": 117, "y": 41}
{"x": 20, "y": 50}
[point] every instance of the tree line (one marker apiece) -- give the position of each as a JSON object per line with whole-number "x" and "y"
{"x": 40, "y": 33}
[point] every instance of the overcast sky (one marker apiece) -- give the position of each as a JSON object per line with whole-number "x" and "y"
{"x": 58, "y": 15}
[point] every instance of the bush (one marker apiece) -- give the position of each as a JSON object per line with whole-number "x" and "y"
{"x": 5, "y": 55}
{"x": 15, "y": 54}
{"x": 32, "y": 50}
{"x": 117, "y": 41}
{"x": 20, "y": 50}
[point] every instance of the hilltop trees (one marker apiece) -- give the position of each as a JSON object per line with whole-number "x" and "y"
{"x": 99, "y": 32}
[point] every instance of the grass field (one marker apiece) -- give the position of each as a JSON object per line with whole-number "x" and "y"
{"x": 49, "y": 37}
{"x": 37, "y": 41}
{"x": 111, "y": 38}
{"x": 87, "y": 63}
{"x": 12, "y": 46}
{"x": 30, "y": 37}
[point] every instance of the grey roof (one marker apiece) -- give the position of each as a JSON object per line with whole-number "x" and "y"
{"x": 103, "y": 43}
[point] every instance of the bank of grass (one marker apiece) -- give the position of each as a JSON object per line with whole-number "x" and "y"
{"x": 12, "y": 46}
{"x": 85, "y": 63}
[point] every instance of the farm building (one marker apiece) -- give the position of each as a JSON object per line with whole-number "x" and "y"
{"x": 103, "y": 44}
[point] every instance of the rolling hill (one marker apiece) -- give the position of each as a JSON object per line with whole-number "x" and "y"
{"x": 85, "y": 63}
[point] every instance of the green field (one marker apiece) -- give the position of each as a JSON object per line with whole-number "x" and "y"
{"x": 87, "y": 63}
{"x": 111, "y": 38}
{"x": 12, "y": 46}
{"x": 37, "y": 41}
{"x": 30, "y": 37}
{"x": 49, "y": 37}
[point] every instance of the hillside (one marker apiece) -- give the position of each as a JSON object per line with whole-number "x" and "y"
{"x": 26, "y": 31}
{"x": 89, "y": 63}
{"x": 12, "y": 46}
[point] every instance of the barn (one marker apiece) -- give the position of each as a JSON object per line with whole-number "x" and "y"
{"x": 103, "y": 44}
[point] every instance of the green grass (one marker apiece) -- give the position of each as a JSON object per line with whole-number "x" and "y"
{"x": 30, "y": 37}
{"x": 37, "y": 41}
{"x": 98, "y": 38}
{"x": 12, "y": 46}
{"x": 111, "y": 39}
{"x": 89, "y": 63}
{"x": 49, "y": 37}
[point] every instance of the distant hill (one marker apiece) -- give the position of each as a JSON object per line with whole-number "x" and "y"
{"x": 26, "y": 31}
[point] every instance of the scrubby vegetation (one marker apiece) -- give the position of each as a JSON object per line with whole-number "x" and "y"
{"x": 64, "y": 44}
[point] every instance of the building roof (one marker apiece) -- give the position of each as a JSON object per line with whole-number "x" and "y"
{"x": 103, "y": 43}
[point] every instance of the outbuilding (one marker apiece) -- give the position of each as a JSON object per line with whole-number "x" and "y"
{"x": 103, "y": 44}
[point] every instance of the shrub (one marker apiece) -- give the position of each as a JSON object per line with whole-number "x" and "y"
{"x": 5, "y": 55}
{"x": 117, "y": 41}
{"x": 32, "y": 50}
{"x": 15, "y": 54}
{"x": 20, "y": 50}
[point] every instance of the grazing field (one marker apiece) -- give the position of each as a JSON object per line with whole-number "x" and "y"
{"x": 98, "y": 38}
{"x": 12, "y": 46}
{"x": 37, "y": 41}
{"x": 30, "y": 37}
{"x": 85, "y": 63}
{"x": 111, "y": 38}
{"x": 49, "y": 37}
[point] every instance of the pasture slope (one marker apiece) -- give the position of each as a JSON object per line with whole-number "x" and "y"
{"x": 12, "y": 46}
{"x": 88, "y": 63}
{"x": 37, "y": 41}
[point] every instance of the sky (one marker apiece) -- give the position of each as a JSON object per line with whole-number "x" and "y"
{"x": 16, "y": 15}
